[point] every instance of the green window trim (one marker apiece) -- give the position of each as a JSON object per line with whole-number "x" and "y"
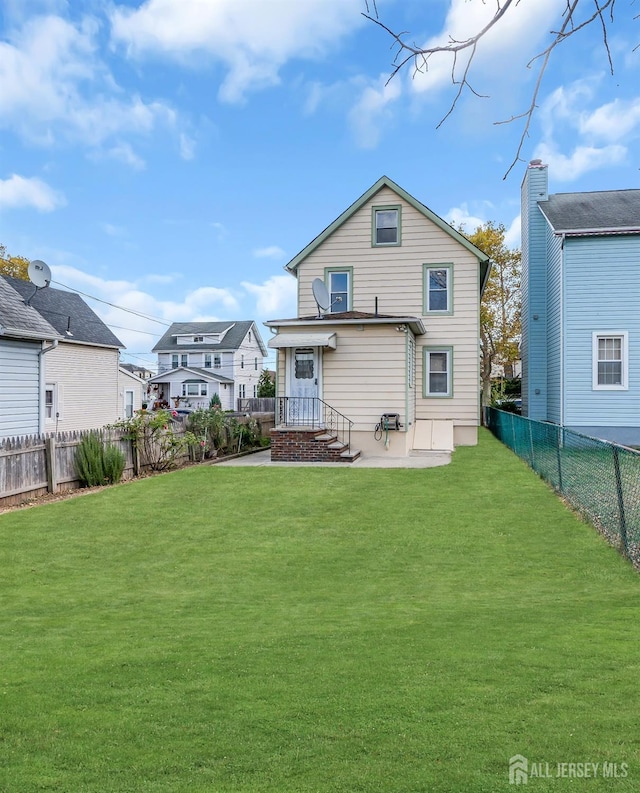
{"x": 327, "y": 280}
{"x": 426, "y": 371}
{"x": 385, "y": 208}
{"x": 426, "y": 269}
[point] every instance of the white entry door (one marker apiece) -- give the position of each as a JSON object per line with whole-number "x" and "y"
{"x": 303, "y": 385}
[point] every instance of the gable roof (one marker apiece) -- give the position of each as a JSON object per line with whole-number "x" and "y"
{"x": 236, "y": 331}
{"x": 603, "y": 212}
{"x": 384, "y": 181}
{"x": 17, "y": 319}
{"x": 67, "y": 312}
{"x": 206, "y": 374}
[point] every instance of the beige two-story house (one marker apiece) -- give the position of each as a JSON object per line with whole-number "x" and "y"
{"x": 385, "y": 347}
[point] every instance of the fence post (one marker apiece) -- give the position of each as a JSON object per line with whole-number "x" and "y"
{"x": 559, "y": 456}
{"x": 623, "y": 518}
{"x": 531, "y": 454}
{"x": 50, "y": 456}
{"x": 135, "y": 456}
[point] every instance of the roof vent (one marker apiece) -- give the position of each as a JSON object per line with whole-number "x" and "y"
{"x": 535, "y": 163}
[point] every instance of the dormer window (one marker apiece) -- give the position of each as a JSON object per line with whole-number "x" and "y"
{"x": 198, "y": 339}
{"x": 386, "y": 226}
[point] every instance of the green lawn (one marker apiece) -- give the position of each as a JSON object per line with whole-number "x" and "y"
{"x": 315, "y": 629}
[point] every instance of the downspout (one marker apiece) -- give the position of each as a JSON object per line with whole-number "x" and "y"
{"x": 42, "y": 379}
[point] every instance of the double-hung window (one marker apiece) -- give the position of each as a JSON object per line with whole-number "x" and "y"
{"x": 386, "y": 225}
{"x": 217, "y": 361}
{"x": 207, "y": 360}
{"x": 339, "y": 285}
{"x": 438, "y": 371}
{"x": 438, "y": 289}
{"x": 50, "y": 401}
{"x": 610, "y": 360}
{"x": 179, "y": 360}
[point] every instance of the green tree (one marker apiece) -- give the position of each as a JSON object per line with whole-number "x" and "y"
{"x": 500, "y": 327}
{"x": 266, "y": 384}
{"x": 15, "y": 266}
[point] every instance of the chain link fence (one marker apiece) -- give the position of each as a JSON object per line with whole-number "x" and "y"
{"x": 600, "y": 480}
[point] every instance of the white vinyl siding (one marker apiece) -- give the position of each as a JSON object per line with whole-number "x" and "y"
{"x": 20, "y": 383}
{"x": 89, "y": 378}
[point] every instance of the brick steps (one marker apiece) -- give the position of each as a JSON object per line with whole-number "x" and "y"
{"x": 306, "y": 444}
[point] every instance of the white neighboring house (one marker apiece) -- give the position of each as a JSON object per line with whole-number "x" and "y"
{"x": 25, "y": 340}
{"x": 80, "y": 386}
{"x": 199, "y": 359}
{"x": 132, "y": 390}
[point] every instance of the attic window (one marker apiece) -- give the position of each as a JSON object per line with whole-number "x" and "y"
{"x": 198, "y": 339}
{"x": 386, "y": 225}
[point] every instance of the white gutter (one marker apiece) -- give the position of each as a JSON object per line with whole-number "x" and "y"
{"x": 43, "y": 351}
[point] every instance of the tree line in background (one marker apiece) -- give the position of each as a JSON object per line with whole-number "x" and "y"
{"x": 15, "y": 266}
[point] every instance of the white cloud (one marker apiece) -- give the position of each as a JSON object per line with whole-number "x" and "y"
{"x": 20, "y": 192}
{"x": 139, "y": 333}
{"x": 253, "y": 39}
{"x": 112, "y": 230}
{"x": 275, "y": 297}
{"x": 594, "y": 137}
{"x": 612, "y": 122}
{"x": 372, "y": 111}
{"x": 187, "y": 147}
{"x": 55, "y": 85}
{"x": 461, "y": 216}
{"x": 566, "y": 168}
{"x": 124, "y": 153}
{"x": 512, "y": 237}
{"x": 271, "y": 252}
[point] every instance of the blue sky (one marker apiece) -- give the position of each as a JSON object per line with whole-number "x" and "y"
{"x": 170, "y": 156}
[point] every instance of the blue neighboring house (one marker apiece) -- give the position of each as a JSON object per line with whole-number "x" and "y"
{"x": 581, "y": 308}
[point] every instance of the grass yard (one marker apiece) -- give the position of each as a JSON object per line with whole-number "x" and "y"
{"x": 316, "y": 629}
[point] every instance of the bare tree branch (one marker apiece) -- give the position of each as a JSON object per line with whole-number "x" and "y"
{"x": 409, "y": 52}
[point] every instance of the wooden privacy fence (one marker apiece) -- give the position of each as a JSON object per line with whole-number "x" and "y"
{"x": 34, "y": 465}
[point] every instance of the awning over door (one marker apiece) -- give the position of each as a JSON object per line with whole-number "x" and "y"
{"x": 303, "y": 340}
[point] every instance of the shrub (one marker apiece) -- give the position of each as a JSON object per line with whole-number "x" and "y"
{"x": 154, "y": 435}
{"x": 97, "y": 464}
{"x": 113, "y": 462}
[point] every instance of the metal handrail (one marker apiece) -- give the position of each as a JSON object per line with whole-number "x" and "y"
{"x": 313, "y": 412}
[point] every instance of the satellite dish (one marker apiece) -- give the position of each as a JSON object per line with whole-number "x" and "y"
{"x": 39, "y": 273}
{"x": 321, "y": 295}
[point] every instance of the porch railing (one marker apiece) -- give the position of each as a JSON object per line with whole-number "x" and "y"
{"x": 313, "y": 412}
